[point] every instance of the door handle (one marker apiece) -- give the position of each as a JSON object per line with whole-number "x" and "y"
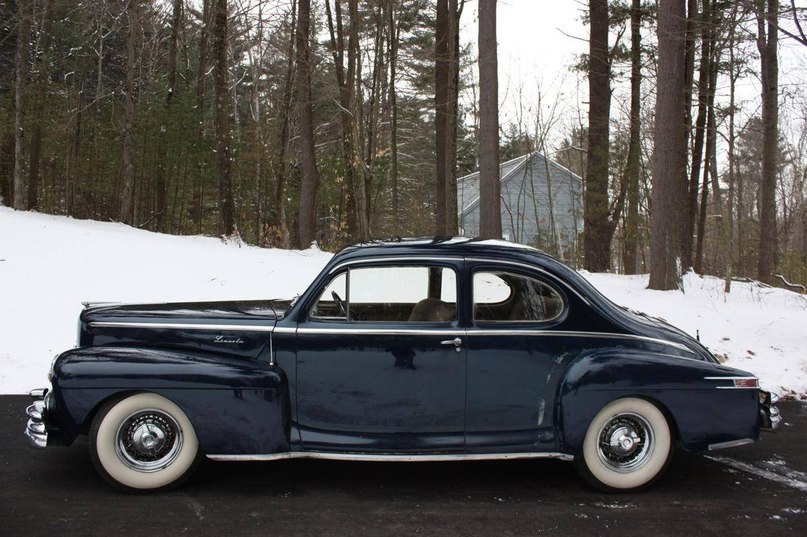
{"x": 457, "y": 342}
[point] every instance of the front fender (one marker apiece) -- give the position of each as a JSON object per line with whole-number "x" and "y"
{"x": 699, "y": 413}
{"x": 235, "y": 405}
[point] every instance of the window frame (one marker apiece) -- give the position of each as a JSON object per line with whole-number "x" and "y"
{"x": 562, "y": 313}
{"x": 388, "y": 264}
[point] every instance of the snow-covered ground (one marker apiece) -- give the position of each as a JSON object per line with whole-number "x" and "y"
{"x": 50, "y": 264}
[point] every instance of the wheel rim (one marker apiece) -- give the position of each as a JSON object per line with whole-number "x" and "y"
{"x": 148, "y": 440}
{"x": 625, "y": 443}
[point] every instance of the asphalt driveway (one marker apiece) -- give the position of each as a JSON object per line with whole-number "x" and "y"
{"x": 756, "y": 490}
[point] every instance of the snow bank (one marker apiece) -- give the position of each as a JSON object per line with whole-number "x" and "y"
{"x": 50, "y": 264}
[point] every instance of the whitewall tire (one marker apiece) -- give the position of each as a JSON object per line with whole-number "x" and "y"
{"x": 143, "y": 442}
{"x": 627, "y": 447}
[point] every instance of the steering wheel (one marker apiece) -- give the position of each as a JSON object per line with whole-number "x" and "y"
{"x": 339, "y": 302}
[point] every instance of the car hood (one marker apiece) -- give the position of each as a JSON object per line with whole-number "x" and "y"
{"x": 234, "y": 327}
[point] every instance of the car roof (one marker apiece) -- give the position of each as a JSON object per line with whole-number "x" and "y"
{"x": 448, "y": 246}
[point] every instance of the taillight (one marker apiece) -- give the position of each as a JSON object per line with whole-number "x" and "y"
{"x": 749, "y": 382}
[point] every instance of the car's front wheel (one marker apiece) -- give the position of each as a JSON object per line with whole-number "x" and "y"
{"x": 143, "y": 442}
{"x": 627, "y": 446}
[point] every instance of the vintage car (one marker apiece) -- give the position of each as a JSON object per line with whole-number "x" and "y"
{"x": 410, "y": 350}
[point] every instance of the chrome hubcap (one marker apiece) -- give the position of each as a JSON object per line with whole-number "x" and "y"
{"x": 625, "y": 443}
{"x": 148, "y": 440}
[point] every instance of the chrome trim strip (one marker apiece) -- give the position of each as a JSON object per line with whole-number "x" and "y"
{"x": 371, "y": 457}
{"x": 384, "y": 331}
{"x": 562, "y": 333}
{"x": 285, "y": 330}
{"x": 472, "y": 332}
{"x": 386, "y": 259}
{"x": 730, "y": 443}
{"x": 185, "y": 326}
{"x": 732, "y": 378}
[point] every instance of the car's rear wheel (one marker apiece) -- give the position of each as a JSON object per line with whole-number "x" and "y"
{"x": 143, "y": 442}
{"x": 627, "y": 446}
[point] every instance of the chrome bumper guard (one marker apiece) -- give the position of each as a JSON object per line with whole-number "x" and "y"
{"x": 35, "y": 428}
{"x": 769, "y": 417}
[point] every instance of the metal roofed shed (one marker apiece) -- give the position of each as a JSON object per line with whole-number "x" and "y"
{"x": 541, "y": 203}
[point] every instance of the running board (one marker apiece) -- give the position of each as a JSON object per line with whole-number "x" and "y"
{"x": 380, "y": 457}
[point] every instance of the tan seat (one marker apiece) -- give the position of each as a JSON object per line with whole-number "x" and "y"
{"x": 433, "y": 310}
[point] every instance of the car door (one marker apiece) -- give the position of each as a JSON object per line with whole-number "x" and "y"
{"x": 381, "y": 362}
{"x": 511, "y": 367}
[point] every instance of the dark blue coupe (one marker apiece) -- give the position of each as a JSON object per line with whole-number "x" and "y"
{"x": 414, "y": 350}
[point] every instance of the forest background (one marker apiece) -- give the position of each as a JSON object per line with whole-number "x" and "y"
{"x": 279, "y": 122}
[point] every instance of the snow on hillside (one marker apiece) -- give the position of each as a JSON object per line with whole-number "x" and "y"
{"x": 50, "y": 264}
{"x": 759, "y": 329}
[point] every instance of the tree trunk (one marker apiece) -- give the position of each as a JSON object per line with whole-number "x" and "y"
{"x": 704, "y": 90}
{"x": 709, "y": 163}
{"x": 276, "y": 219}
{"x": 310, "y": 179}
{"x": 767, "y": 43}
{"x": 162, "y": 151}
{"x": 452, "y": 116}
{"x": 204, "y": 45}
{"x": 446, "y": 97}
{"x": 34, "y": 159}
{"x": 596, "y": 236}
{"x": 490, "y": 215}
{"x": 633, "y": 168}
{"x": 20, "y": 76}
{"x": 127, "y": 194}
{"x": 222, "y": 120}
{"x": 731, "y": 157}
{"x": 689, "y": 74}
{"x": 441, "y": 76}
{"x": 669, "y": 161}
{"x": 394, "y": 33}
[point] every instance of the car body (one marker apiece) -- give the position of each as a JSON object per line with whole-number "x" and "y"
{"x": 409, "y": 350}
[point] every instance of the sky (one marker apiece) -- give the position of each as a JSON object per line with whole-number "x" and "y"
{"x": 540, "y": 39}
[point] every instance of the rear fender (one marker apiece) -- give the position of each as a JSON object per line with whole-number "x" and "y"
{"x": 698, "y": 412}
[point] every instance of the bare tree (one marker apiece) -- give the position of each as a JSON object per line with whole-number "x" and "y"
{"x": 310, "y": 176}
{"x": 490, "y": 211}
{"x": 767, "y": 43}
{"x": 669, "y": 160}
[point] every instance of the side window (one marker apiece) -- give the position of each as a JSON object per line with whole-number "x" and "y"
{"x": 390, "y": 294}
{"x": 505, "y": 296}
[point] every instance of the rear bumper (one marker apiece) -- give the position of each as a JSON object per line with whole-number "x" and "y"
{"x": 769, "y": 417}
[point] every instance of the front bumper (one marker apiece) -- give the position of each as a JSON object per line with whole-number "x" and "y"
{"x": 35, "y": 429}
{"x": 769, "y": 417}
